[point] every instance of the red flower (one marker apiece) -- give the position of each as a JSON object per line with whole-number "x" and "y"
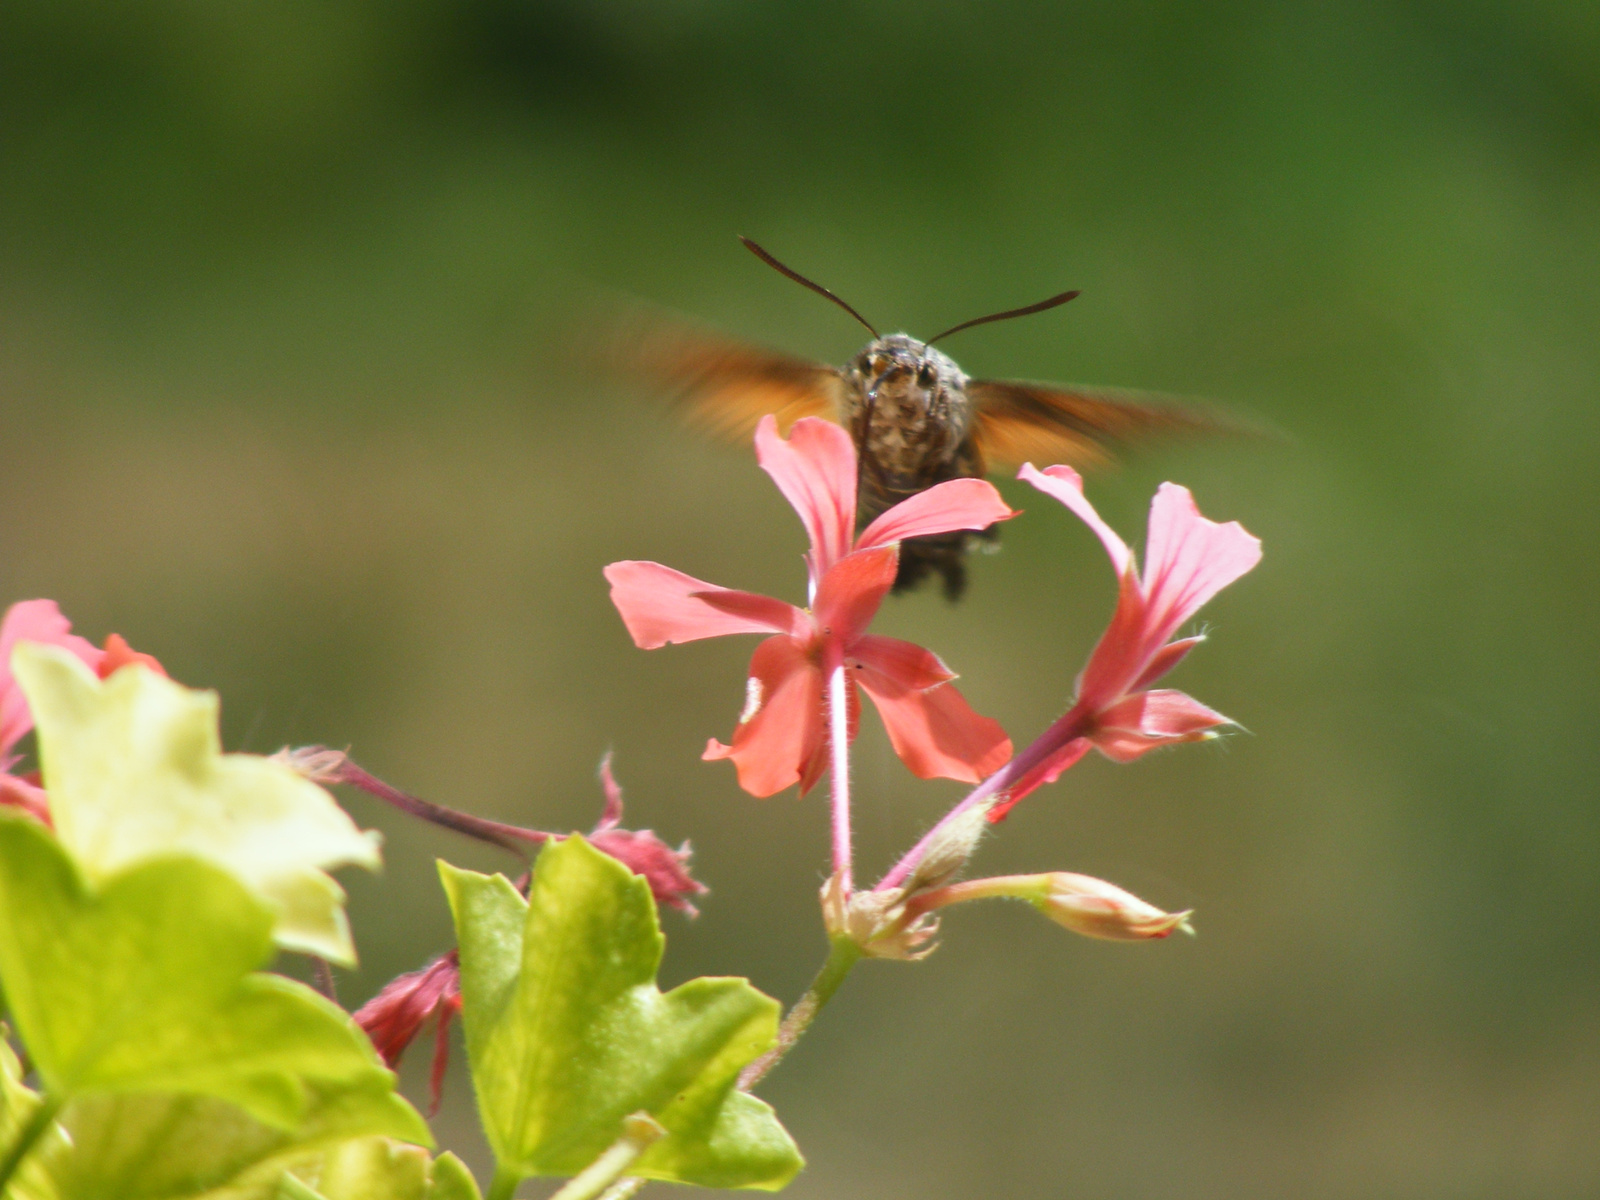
{"x": 782, "y": 737}
{"x": 394, "y": 1017}
{"x": 1188, "y": 560}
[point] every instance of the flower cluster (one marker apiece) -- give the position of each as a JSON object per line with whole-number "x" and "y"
{"x": 815, "y": 658}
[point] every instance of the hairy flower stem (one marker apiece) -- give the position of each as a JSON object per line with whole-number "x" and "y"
{"x": 1068, "y": 728}
{"x": 38, "y": 1124}
{"x": 839, "y": 771}
{"x": 496, "y": 833}
{"x": 1009, "y": 887}
{"x": 843, "y": 955}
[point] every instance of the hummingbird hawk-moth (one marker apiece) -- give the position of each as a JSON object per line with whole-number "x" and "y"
{"x": 915, "y": 416}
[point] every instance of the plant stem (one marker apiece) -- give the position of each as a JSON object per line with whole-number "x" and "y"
{"x": 1069, "y": 728}
{"x": 843, "y": 955}
{"x": 640, "y": 1132}
{"x": 496, "y": 833}
{"x": 839, "y": 772}
{"x": 623, "y": 1188}
{"x": 35, "y": 1128}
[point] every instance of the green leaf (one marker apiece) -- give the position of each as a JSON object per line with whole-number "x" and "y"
{"x": 160, "y": 1147}
{"x": 134, "y": 769}
{"x": 148, "y": 986}
{"x": 379, "y": 1169}
{"x": 567, "y": 1033}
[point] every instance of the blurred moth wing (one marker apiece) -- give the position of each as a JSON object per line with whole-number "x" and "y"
{"x": 1016, "y": 422}
{"x": 724, "y": 387}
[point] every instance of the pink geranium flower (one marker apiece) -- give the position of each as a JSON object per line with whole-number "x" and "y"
{"x": 1188, "y": 560}
{"x": 782, "y": 737}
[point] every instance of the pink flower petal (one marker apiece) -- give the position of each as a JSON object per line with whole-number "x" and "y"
{"x": 660, "y": 605}
{"x": 849, "y": 595}
{"x": 32, "y": 621}
{"x": 1189, "y": 559}
{"x": 955, "y": 504}
{"x": 781, "y": 728}
{"x": 1066, "y": 485}
{"x": 906, "y": 663}
{"x": 1147, "y": 721}
{"x": 1165, "y": 659}
{"x": 934, "y": 731}
{"x": 815, "y": 469}
{"x": 32, "y": 799}
{"x": 1123, "y": 653}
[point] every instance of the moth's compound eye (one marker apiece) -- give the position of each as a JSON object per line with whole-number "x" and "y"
{"x": 926, "y": 375}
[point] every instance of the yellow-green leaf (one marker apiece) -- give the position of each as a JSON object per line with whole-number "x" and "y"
{"x": 149, "y": 984}
{"x": 134, "y": 768}
{"x": 568, "y": 1034}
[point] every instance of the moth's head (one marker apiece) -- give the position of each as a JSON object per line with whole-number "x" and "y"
{"x": 901, "y": 371}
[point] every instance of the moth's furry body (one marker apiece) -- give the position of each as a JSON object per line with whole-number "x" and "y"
{"x": 905, "y": 405}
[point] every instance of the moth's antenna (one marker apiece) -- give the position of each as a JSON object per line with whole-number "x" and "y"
{"x": 1042, "y": 306}
{"x": 804, "y": 282}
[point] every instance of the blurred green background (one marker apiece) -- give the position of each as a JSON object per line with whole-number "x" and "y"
{"x": 284, "y": 292}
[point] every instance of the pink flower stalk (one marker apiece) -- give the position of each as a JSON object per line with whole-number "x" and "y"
{"x": 782, "y": 737}
{"x": 1188, "y": 560}
{"x": 666, "y": 870}
{"x": 41, "y": 621}
{"x": 394, "y": 1017}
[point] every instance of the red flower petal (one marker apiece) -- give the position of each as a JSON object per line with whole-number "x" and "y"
{"x": 119, "y": 654}
{"x": 1146, "y": 721}
{"x": 1066, "y": 485}
{"x": 781, "y": 729}
{"x": 934, "y": 731}
{"x": 906, "y": 663}
{"x": 850, "y": 593}
{"x": 32, "y": 621}
{"x": 955, "y": 504}
{"x": 660, "y": 605}
{"x": 1189, "y": 559}
{"x": 815, "y": 469}
{"x": 1166, "y": 658}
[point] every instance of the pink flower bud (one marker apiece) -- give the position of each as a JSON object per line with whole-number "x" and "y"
{"x": 1099, "y": 909}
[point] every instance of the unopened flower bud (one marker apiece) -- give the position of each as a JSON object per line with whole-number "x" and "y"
{"x": 952, "y": 844}
{"x": 1099, "y": 909}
